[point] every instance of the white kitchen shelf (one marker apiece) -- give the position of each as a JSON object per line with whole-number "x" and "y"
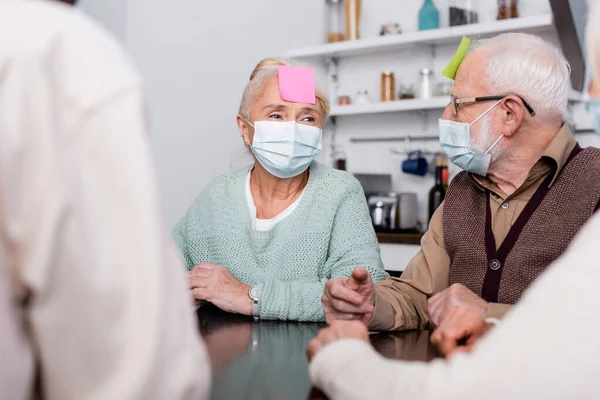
{"x": 390, "y": 106}
{"x": 435, "y": 103}
{"x": 534, "y": 24}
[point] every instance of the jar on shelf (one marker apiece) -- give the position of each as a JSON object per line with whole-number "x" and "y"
{"x": 335, "y": 15}
{"x": 344, "y": 100}
{"x": 463, "y": 12}
{"x": 426, "y": 84}
{"x": 388, "y": 86}
{"x": 508, "y": 9}
{"x": 406, "y": 92}
{"x": 362, "y": 97}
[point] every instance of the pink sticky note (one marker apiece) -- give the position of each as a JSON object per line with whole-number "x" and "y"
{"x": 297, "y": 84}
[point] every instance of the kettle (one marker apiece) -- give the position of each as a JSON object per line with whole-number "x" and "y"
{"x": 393, "y": 211}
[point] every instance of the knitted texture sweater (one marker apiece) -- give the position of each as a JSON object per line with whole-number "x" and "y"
{"x": 328, "y": 235}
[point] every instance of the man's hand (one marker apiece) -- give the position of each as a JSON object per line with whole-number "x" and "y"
{"x": 440, "y": 305}
{"x": 459, "y": 331}
{"x": 350, "y": 298}
{"x": 215, "y": 284}
{"x": 337, "y": 331}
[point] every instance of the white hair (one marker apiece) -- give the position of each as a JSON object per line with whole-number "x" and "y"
{"x": 263, "y": 72}
{"x": 593, "y": 39}
{"x": 254, "y": 88}
{"x": 529, "y": 67}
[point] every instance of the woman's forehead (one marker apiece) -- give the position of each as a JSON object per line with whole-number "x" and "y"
{"x": 271, "y": 96}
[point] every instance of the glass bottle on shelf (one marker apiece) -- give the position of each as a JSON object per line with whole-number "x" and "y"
{"x": 503, "y": 12}
{"x": 463, "y": 12}
{"x": 429, "y": 16}
{"x": 438, "y": 191}
{"x": 426, "y": 84}
{"x": 388, "y": 86}
{"x": 352, "y": 8}
{"x": 514, "y": 8}
{"x": 339, "y": 158}
{"x": 508, "y": 9}
{"x": 335, "y": 32}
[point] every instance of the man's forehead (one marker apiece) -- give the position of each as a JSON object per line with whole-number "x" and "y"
{"x": 469, "y": 77}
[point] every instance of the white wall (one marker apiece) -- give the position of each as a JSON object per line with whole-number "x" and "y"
{"x": 196, "y": 57}
{"x": 111, "y": 13}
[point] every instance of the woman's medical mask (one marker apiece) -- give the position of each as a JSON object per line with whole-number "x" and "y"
{"x": 285, "y": 149}
{"x": 455, "y": 139}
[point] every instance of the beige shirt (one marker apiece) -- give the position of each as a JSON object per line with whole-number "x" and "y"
{"x": 547, "y": 347}
{"x": 93, "y": 297}
{"x": 400, "y": 303}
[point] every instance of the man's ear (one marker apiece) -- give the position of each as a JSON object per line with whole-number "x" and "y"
{"x": 513, "y": 112}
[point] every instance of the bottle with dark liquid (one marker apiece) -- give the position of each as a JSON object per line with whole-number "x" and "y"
{"x": 438, "y": 192}
{"x": 339, "y": 158}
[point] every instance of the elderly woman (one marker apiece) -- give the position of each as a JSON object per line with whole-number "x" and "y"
{"x": 263, "y": 241}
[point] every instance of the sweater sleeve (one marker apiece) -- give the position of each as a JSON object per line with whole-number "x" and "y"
{"x": 352, "y": 244}
{"x": 180, "y": 237}
{"x": 539, "y": 351}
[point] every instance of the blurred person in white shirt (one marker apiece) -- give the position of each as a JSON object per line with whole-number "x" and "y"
{"x": 93, "y": 297}
{"x": 547, "y": 347}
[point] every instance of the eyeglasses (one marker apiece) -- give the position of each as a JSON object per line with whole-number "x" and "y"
{"x": 454, "y": 102}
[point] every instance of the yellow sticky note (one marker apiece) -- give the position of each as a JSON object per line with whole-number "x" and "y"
{"x": 459, "y": 56}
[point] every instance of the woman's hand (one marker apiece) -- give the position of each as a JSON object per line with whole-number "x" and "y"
{"x": 215, "y": 284}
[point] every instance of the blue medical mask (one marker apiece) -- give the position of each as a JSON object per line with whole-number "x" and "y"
{"x": 455, "y": 139}
{"x": 285, "y": 149}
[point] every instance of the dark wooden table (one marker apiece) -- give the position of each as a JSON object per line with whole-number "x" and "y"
{"x": 267, "y": 360}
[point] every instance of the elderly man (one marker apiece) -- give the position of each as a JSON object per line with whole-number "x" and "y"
{"x": 526, "y": 191}
{"x": 93, "y": 299}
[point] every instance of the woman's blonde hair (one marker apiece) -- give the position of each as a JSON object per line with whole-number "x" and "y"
{"x": 266, "y": 69}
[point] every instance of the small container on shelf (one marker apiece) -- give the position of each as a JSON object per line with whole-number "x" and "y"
{"x": 406, "y": 92}
{"x": 362, "y": 97}
{"x": 426, "y": 85}
{"x": 344, "y": 100}
{"x": 508, "y": 9}
{"x": 442, "y": 89}
{"x": 429, "y": 16}
{"x": 463, "y": 12}
{"x": 388, "y": 86}
{"x": 335, "y": 32}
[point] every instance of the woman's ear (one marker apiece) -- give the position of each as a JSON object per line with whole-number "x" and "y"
{"x": 244, "y": 130}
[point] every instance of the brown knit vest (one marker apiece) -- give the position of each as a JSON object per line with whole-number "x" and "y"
{"x": 541, "y": 233}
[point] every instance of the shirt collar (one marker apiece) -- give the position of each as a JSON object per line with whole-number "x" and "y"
{"x": 554, "y": 158}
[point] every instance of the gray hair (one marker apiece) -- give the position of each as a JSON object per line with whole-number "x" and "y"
{"x": 264, "y": 71}
{"x": 255, "y": 87}
{"x": 530, "y": 67}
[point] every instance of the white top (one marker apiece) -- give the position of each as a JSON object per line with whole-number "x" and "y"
{"x": 91, "y": 290}
{"x": 547, "y": 347}
{"x": 264, "y": 225}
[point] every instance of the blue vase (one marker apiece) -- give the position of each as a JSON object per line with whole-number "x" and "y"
{"x": 429, "y": 16}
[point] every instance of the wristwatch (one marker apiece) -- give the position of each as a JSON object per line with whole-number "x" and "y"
{"x": 253, "y": 294}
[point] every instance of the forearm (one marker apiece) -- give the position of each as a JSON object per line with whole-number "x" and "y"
{"x": 291, "y": 300}
{"x": 351, "y": 369}
{"x": 398, "y": 307}
{"x": 497, "y": 310}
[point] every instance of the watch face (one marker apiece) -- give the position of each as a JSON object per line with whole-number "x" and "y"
{"x": 254, "y": 292}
